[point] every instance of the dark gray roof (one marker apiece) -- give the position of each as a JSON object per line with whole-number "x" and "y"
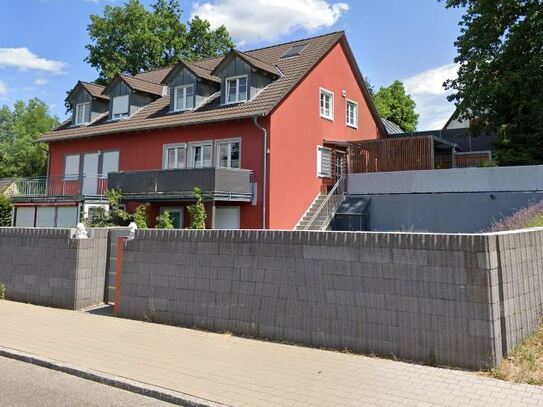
{"x": 156, "y": 114}
{"x": 463, "y": 138}
{"x": 391, "y": 127}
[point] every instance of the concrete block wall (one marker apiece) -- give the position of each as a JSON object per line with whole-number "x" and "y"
{"x": 520, "y": 259}
{"x": 425, "y": 297}
{"x": 47, "y": 267}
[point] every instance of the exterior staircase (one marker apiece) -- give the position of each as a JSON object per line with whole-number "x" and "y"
{"x": 322, "y": 211}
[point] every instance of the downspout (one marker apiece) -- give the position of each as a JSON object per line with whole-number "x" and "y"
{"x": 264, "y": 170}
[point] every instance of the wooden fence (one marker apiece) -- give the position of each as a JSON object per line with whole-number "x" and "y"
{"x": 393, "y": 154}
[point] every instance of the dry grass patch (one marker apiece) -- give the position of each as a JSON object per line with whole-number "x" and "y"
{"x": 525, "y": 363}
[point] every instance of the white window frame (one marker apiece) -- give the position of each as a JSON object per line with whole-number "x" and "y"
{"x": 190, "y": 161}
{"x": 122, "y": 115}
{"x": 331, "y": 94}
{"x": 320, "y": 173}
{"x": 347, "y": 103}
{"x": 86, "y": 110}
{"x": 74, "y": 176}
{"x": 227, "y": 92}
{"x": 175, "y": 146}
{"x": 182, "y": 88}
{"x": 118, "y": 152}
{"x": 218, "y": 152}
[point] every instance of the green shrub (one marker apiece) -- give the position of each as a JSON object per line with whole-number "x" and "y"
{"x": 197, "y": 212}
{"x": 140, "y": 217}
{"x": 164, "y": 221}
{"x": 5, "y": 211}
{"x": 2, "y": 292}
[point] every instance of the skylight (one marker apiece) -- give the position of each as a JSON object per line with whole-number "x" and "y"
{"x": 294, "y": 51}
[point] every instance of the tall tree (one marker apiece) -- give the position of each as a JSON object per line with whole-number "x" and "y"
{"x": 20, "y": 154}
{"x": 500, "y": 79}
{"x": 394, "y": 104}
{"x": 131, "y": 39}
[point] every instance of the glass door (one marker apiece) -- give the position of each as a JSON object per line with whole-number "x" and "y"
{"x": 90, "y": 174}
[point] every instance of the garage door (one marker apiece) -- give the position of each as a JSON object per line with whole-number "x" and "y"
{"x": 45, "y": 217}
{"x": 66, "y": 216}
{"x": 25, "y": 217}
{"x": 227, "y": 217}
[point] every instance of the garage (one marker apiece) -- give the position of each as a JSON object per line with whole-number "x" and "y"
{"x": 46, "y": 216}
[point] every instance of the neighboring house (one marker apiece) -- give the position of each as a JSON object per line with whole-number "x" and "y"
{"x": 391, "y": 127}
{"x": 261, "y": 132}
{"x": 7, "y": 187}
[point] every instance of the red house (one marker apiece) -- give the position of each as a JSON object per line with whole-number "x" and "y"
{"x": 260, "y": 132}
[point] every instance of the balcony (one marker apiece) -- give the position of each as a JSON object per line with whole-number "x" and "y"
{"x": 219, "y": 184}
{"x": 57, "y": 187}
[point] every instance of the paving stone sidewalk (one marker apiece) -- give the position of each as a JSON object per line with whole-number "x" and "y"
{"x": 243, "y": 372}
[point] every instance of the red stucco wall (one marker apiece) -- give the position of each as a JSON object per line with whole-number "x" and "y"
{"x": 297, "y": 130}
{"x": 143, "y": 151}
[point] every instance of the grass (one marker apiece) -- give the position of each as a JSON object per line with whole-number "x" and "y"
{"x": 529, "y": 217}
{"x": 525, "y": 363}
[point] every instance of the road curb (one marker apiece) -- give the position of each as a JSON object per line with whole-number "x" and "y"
{"x": 122, "y": 383}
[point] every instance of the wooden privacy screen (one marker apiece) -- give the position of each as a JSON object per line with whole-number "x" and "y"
{"x": 472, "y": 159}
{"x": 393, "y": 154}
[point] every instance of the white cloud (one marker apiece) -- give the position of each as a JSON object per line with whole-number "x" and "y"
{"x": 265, "y": 20}
{"x": 427, "y": 90}
{"x": 41, "y": 82}
{"x": 3, "y": 89}
{"x": 23, "y": 59}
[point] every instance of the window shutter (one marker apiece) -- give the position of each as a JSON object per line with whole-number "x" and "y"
{"x": 324, "y": 162}
{"x": 120, "y": 105}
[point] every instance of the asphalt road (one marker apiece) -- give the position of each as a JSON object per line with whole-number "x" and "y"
{"x": 24, "y": 384}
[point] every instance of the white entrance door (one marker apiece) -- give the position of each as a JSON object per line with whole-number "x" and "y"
{"x": 227, "y": 217}
{"x": 90, "y": 174}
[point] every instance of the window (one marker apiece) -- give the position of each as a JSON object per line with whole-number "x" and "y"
{"x": 183, "y": 97}
{"x": 119, "y": 107}
{"x": 110, "y": 162}
{"x": 175, "y": 157}
{"x": 327, "y": 104}
{"x": 324, "y": 162}
{"x": 294, "y": 51}
{"x": 82, "y": 111}
{"x": 352, "y": 114}
{"x": 71, "y": 167}
{"x": 236, "y": 89}
{"x": 228, "y": 154}
{"x": 200, "y": 155}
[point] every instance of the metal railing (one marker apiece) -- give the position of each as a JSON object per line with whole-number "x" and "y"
{"x": 57, "y": 186}
{"x": 325, "y": 212}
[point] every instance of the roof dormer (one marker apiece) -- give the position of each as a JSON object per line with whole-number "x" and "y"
{"x": 191, "y": 85}
{"x": 87, "y": 102}
{"x": 243, "y": 77}
{"x": 128, "y": 95}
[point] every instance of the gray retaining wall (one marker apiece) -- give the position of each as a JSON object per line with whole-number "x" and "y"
{"x": 47, "y": 267}
{"x": 417, "y": 296}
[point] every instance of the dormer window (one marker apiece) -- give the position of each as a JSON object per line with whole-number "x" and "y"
{"x": 183, "y": 97}
{"x": 119, "y": 107}
{"x": 82, "y": 111}
{"x": 236, "y": 89}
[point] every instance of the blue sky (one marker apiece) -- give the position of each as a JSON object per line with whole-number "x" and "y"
{"x": 42, "y": 42}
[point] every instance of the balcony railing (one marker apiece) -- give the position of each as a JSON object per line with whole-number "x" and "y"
{"x": 56, "y": 186}
{"x": 215, "y": 183}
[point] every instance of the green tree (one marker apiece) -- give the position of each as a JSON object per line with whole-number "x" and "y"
{"x": 394, "y": 104}
{"x": 20, "y": 128}
{"x": 197, "y": 212}
{"x": 5, "y": 211}
{"x": 164, "y": 221}
{"x": 132, "y": 39}
{"x": 500, "y": 77}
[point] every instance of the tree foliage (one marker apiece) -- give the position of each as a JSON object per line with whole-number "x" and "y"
{"x": 20, "y": 127}
{"x": 164, "y": 221}
{"x": 394, "y": 104}
{"x": 500, "y": 79}
{"x": 197, "y": 212}
{"x": 140, "y": 217}
{"x": 131, "y": 39}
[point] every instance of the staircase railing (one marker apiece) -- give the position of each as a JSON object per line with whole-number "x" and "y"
{"x": 325, "y": 212}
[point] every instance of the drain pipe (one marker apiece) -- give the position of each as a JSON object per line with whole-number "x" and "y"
{"x": 264, "y": 169}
